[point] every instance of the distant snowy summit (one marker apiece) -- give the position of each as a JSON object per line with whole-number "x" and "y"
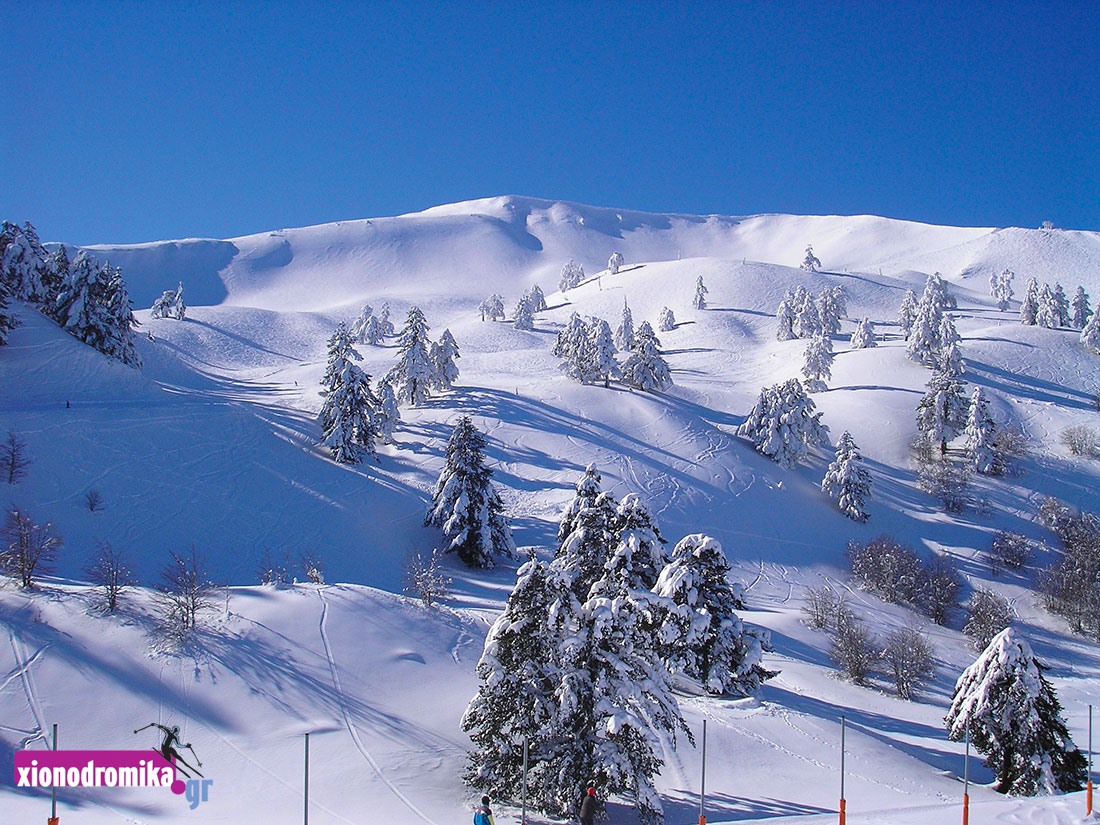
{"x": 507, "y": 243}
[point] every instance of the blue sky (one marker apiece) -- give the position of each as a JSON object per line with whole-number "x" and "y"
{"x": 128, "y": 122}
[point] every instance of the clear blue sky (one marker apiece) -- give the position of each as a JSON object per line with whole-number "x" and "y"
{"x": 128, "y": 122}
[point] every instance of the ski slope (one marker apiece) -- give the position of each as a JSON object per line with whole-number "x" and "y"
{"x": 213, "y": 445}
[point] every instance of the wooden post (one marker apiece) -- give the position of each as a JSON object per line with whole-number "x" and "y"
{"x": 703, "y": 780}
{"x": 843, "y": 725}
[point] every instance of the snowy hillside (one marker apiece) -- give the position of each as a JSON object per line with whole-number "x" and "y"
{"x": 213, "y": 444}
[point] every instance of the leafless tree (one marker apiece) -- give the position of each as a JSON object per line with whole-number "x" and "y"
{"x": 14, "y": 460}
{"x": 823, "y": 606}
{"x": 27, "y": 549}
{"x": 424, "y": 579}
{"x": 274, "y": 572}
{"x": 109, "y": 572}
{"x": 987, "y": 614}
{"x": 313, "y": 567}
{"x": 909, "y": 656}
{"x": 854, "y": 649}
{"x": 185, "y": 591}
{"x": 94, "y": 500}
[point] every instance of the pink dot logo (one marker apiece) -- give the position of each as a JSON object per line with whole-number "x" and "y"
{"x": 178, "y": 787}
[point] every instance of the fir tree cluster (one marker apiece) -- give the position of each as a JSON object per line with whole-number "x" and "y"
{"x": 1046, "y": 306}
{"x": 588, "y": 349}
{"x": 88, "y": 299}
{"x": 169, "y": 305}
{"x": 580, "y": 664}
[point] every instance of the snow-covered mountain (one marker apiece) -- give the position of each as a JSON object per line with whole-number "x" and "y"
{"x": 213, "y": 444}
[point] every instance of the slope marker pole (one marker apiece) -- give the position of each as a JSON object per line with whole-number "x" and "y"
{"x": 1088, "y": 786}
{"x": 966, "y": 780}
{"x": 305, "y": 806}
{"x": 703, "y": 780}
{"x": 523, "y": 815}
{"x": 843, "y": 725}
{"x": 54, "y": 819}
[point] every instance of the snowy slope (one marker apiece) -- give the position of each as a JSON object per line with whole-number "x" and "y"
{"x": 213, "y": 444}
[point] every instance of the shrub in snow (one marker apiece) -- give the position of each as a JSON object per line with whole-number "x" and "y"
{"x": 810, "y": 263}
{"x": 887, "y": 568}
{"x": 312, "y": 567}
{"x": 666, "y": 321}
{"x": 817, "y": 363}
{"x": 947, "y": 482}
{"x": 853, "y": 648}
{"x": 645, "y": 369}
{"x": 938, "y": 588}
{"x": 783, "y": 424}
{"x": 1015, "y": 720}
{"x": 109, "y": 572}
{"x": 702, "y": 637}
{"x": 347, "y": 421}
{"x": 492, "y": 308}
{"x": 987, "y": 614}
{"x": 1000, "y": 287}
{"x": 273, "y": 572}
{"x": 822, "y": 607}
{"x": 1081, "y": 440}
{"x": 425, "y": 579}
{"x": 27, "y": 549}
{"x": 910, "y": 659}
{"x": 700, "y": 299}
{"x": 465, "y": 504}
{"x": 413, "y": 374}
{"x": 1010, "y": 551}
{"x": 847, "y": 481}
{"x": 864, "y": 335}
{"x": 1080, "y": 309}
{"x": 170, "y": 304}
{"x": 1071, "y": 586}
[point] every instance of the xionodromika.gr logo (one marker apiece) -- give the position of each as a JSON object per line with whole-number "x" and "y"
{"x": 162, "y": 767}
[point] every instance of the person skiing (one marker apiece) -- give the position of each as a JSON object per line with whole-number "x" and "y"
{"x": 483, "y": 815}
{"x": 168, "y": 751}
{"x": 588, "y": 807}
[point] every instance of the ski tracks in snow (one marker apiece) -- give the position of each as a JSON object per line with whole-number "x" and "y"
{"x": 352, "y": 731}
{"x": 22, "y": 671}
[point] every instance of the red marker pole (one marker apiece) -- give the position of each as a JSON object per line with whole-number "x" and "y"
{"x": 843, "y": 724}
{"x": 1088, "y": 786}
{"x": 703, "y": 781}
{"x": 54, "y": 819}
{"x": 966, "y": 780}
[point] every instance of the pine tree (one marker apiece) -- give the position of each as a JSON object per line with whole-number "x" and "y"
{"x": 614, "y": 263}
{"x": 604, "y": 364}
{"x": 23, "y": 263}
{"x": 817, "y": 363}
{"x": 783, "y": 424}
{"x": 1090, "y": 335}
{"x": 575, "y": 346}
{"x": 645, "y": 368}
{"x": 981, "y": 437}
{"x": 941, "y": 411}
{"x": 700, "y": 299}
{"x": 949, "y": 359}
{"x": 907, "y": 315}
{"x": 443, "y": 355}
{"x": 847, "y": 480}
{"x": 358, "y": 326}
{"x": 1061, "y": 306}
{"x": 666, "y": 321}
{"x": 702, "y": 636}
{"x": 572, "y": 274}
{"x": 522, "y": 317}
{"x": 412, "y": 375}
{"x": 1029, "y": 307}
{"x": 465, "y": 505}
{"x": 587, "y": 490}
{"x": 586, "y": 548}
{"x": 624, "y": 332}
{"x": 492, "y": 308}
{"x": 170, "y": 305}
{"x": 536, "y": 299}
{"x": 1047, "y": 313}
{"x": 1000, "y": 287}
{"x": 636, "y": 530}
{"x": 97, "y": 309}
{"x": 384, "y": 319}
{"x": 1014, "y": 718}
{"x": 924, "y": 335}
{"x": 8, "y": 321}
{"x": 347, "y": 421}
{"x": 829, "y": 310}
{"x": 807, "y": 320}
{"x": 387, "y": 413}
{"x": 54, "y": 276}
{"x": 1080, "y": 308}
{"x": 864, "y": 335}
{"x": 373, "y": 332}
{"x": 785, "y": 319}
{"x": 810, "y": 263}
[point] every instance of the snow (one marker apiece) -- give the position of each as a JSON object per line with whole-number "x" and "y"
{"x": 214, "y": 443}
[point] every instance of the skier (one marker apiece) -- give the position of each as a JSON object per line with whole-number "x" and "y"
{"x": 588, "y": 807}
{"x": 166, "y": 749}
{"x": 483, "y": 815}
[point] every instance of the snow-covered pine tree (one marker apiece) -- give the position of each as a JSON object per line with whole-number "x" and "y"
{"x": 785, "y": 319}
{"x": 572, "y": 274}
{"x": 1090, "y": 335}
{"x": 444, "y": 369}
{"x": 1080, "y": 308}
{"x": 373, "y": 332}
{"x": 492, "y": 308}
{"x": 536, "y": 299}
{"x": 936, "y": 294}
{"x": 1000, "y": 287}
{"x": 570, "y": 337}
{"x": 575, "y": 346}
{"x": 412, "y": 375}
{"x": 829, "y": 310}
{"x": 666, "y": 321}
{"x": 907, "y": 315}
{"x": 170, "y": 304}
{"x": 941, "y": 411}
{"x": 520, "y": 673}
{"x": 1047, "y": 313}
{"x": 700, "y": 299}
{"x": 1015, "y": 720}
{"x": 810, "y": 263}
{"x": 604, "y": 364}
{"x": 465, "y": 504}
{"x": 7, "y": 319}
{"x": 807, "y": 320}
{"x": 587, "y": 547}
{"x": 358, "y": 326}
{"x": 54, "y": 276}
{"x": 981, "y": 437}
{"x": 522, "y": 316}
{"x": 347, "y": 415}
{"x": 624, "y": 332}
{"x": 924, "y": 336}
{"x": 864, "y": 335}
{"x": 949, "y": 358}
{"x": 645, "y": 368}
{"x": 384, "y": 319}
{"x": 1029, "y": 306}
{"x": 74, "y": 291}
{"x": 783, "y": 424}
{"x": 1061, "y": 306}
{"x": 817, "y": 363}
{"x": 23, "y": 263}
{"x": 387, "y": 413}
{"x": 847, "y": 481}
{"x": 587, "y": 490}
{"x": 98, "y": 310}
{"x": 702, "y": 636}
{"x": 614, "y": 263}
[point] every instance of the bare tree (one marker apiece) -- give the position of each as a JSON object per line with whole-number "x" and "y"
{"x": 1010, "y": 551}
{"x": 94, "y": 500}
{"x": 109, "y": 572}
{"x": 313, "y": 567}
{"x": 987, "y": 614}
{"x": 185, "y": 591}
{"x": 27, "y": 549}
{"x": 940, "y": 585}
{"x": 910, "y": 659}
{"x": 854, "y": 648}
{"x": 823, "y": 606}
{"x": 14, "y": 460}
{"x": 424, "y": 578}
{"x": 274, "y": 572}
